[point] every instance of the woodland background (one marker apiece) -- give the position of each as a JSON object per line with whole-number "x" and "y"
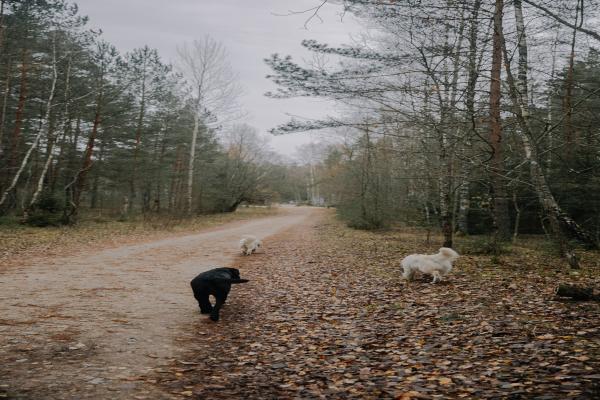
{"x": 473, "y": 117}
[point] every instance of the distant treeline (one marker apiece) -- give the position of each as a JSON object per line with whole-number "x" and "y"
{"x": 84, "y": 127}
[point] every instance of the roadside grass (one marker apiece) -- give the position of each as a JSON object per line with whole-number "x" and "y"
{"x": 96, "y": 230}
{"x": 528, "y": 253}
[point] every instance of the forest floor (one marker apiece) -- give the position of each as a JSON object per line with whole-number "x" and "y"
{"x": 326, "y": 314}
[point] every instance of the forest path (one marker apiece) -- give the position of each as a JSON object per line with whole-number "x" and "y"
{"x": 87, "y": 326}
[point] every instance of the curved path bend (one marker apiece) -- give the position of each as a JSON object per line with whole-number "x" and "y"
{"x": 88, "y": 325}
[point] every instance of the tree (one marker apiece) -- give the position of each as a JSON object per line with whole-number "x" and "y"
{"x": 431, "y": 102}
{"x": 499, "y": 194}
{"x": 213, "y": 87}
{"x": 244, "y": 168}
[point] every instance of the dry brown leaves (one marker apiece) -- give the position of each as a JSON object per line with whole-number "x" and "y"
{"x": 327, "y": 315}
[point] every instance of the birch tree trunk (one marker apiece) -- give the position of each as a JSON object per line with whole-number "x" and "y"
{"x": 561, "y": 224}
{"x": 549, "y": 106}
{"x": 44, "y": 127}
{"x": 41, "y": 178}
{"x": 570, "y": 134}
{"x": 192, "y": 160}
{"x": 464, "y": 203}
{"x": 51, "y": 142}
{"x": 204, "y": 64}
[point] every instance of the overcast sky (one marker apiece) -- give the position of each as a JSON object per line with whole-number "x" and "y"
{"x": 251, "y": 31}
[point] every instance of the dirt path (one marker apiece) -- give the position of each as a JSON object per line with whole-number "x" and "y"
{"x": 85, "y": 327}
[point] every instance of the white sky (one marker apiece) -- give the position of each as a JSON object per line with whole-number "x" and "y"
{"x": 250, "y": 31}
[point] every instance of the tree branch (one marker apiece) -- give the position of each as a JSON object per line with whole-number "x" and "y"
{"x": 591, "y": 33}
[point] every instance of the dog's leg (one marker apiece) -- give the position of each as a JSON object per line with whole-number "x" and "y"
{"x": 205, "y": 306}
{"x": 214, "y": 315}
{"x": 436, "y": 277}
{"x": 201, "y": 295}
{"x": 220, "y": 297}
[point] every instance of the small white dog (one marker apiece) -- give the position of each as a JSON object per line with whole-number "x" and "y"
{"x": 249, "y": 244}
{"x": 436, "y": 265}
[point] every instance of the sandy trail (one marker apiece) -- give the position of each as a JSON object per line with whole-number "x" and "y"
{"x": 81, "y": 326}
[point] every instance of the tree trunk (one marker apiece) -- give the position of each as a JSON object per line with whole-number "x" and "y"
{"x": 445, "y": 193}
{"x": 52, "y": 140}
{"x": 190, "y": 178}
{"x": 16, "y": 136}
{"x": 517, "y": 217}
{"x": 464, "y": 204}
{"x": 44, "y": 126}
{"x": 87, "y": 159}
{"x": 550, "y": 114}
{"x": 448, "y": 119}
{"x": 138, "y": 141}
{"x": 125, "y": 208}
{"x": 570, "y": 134}
{"x": 560, "y": 223}
{"x": 96, "y": 184}
{"x": 577, "y": 293}
{"x": 473, "y": 71}
{"x": 2, "y": 27}
{"x": 159, "y": 175}
{"x": 42, "y": 177}
{"x": 174, "y": 196}
{"x": 473, "y": 75}
{"x": 498, "y": 183}
{"x": 5, "y": 98}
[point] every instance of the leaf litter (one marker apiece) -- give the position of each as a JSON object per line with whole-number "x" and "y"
{"x": 326, "y": 314}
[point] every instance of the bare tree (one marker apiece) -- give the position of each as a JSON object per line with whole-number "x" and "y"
{"x": 245, "y": 166}
{"x": 214, "y": 89}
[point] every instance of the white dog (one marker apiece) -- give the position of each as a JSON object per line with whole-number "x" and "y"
{"x": 436, "y": 265}
{"x": 249, "y": 244}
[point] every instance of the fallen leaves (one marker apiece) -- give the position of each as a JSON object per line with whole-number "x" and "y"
{"x": 326, "y": 314}
{"x": 445, "y": 381}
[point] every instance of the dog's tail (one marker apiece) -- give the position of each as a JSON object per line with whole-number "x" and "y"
{"x": 449, "y": 253}
{"x": 229, "y": 280}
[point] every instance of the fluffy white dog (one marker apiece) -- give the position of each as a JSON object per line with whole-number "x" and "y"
{"x": 249, "y": 244}
{"x": 436, "y": 265}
